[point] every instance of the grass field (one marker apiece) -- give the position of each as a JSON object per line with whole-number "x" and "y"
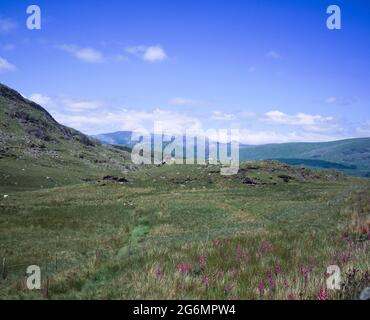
{"x": 175, "y": 232}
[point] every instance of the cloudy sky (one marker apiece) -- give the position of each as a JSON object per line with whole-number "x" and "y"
{"x": 270, "y": 68}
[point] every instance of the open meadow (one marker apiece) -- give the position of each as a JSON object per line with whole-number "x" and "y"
{"x": 186, "y": 232}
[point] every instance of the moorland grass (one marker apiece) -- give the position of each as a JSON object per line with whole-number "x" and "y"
{"x": 175, "y": 232}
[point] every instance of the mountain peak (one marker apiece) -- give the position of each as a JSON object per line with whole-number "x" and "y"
{"x": 13, "y": 95}
{"x": 29, "y": 134}
{"x": 10, "y": 93}
{"x": 27, "y": 122}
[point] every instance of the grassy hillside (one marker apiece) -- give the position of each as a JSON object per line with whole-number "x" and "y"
{"x": 175, "y": 232}
{"x": 351, "y": 156}
{"x": 38, "y": 152}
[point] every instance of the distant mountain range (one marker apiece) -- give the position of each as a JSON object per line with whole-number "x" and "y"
{"x": 122, "y": 138}
{"x": 351, "y": 156}
{"x": 31, "y": 138}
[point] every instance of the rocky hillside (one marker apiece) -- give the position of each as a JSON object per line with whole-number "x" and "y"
{"x": 32, "y": 140}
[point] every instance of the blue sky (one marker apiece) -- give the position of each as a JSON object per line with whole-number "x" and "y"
{"x": 270, "y": 68}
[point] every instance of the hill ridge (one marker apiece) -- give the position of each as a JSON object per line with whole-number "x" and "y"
{"x": 33, "y": 144}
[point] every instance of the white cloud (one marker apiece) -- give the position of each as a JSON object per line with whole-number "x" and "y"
{"x": 130, "y": 120}
{"x": 273, "y": 55}
{"x": 219, "y": 115}
{"x": 94, "y": 116}
{"x": 176, "y": 123}
{"x": 150, "y": 54}
{"x": 66, "y": 104}
{"x": 7, "y": 25}
{"x": 178, "y": 101}
{"x": 154, "y": 54}
{"x": 75, "y": 105}
{"x": 42, "y": 100}
{"x": 224, "y": 116}
{"x": 89, "y": 55}
{"x": 6, "y": 66}
{"x": 307, "y": 121}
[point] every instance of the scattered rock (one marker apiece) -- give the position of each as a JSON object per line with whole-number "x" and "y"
{"x": 249, "y": 181}
{"x": 161, "y": 164}
{"x": 365, "y": 294}
{"x": 6, "y": 196}
{"x": 115, "y": 179}
{"x": 285, "y": 177}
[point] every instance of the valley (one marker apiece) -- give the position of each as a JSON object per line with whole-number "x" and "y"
{"x": 100, "y": 227}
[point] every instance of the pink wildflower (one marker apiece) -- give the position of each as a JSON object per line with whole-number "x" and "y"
{"x": 261, "y": 288}
{"x": 206, "y": 281}
{"x": 271, "y": 281}
{"x": 158, "y": 273}
{"x": 291, "y": 296}
{"x": 277, "y": 269}
{"x": 184, "y": 267}
{"x": 265, "y": 246}
{"x": 202, "y": 262}
{"x": 322, "y": 295}
{"x": 306, "y": 272}
{"x": 229, "y": 288}
{"x": 216, "y": 242}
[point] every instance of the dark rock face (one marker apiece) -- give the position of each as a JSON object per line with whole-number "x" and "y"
{"x": 37, "y": 122}
{"x": 249, "y": 181}
{"x": 11, "y": 94}
{"x": 14, "y": 96}
{"x": 115, "y": 179}
{"x": 22, "y": 115}
{"x": 39, "y": 133}
{"x": 85, "y": 140}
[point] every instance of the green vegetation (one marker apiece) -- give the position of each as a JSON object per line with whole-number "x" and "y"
{"x": 37, "y": 152}
{"x": 101, "y": 228}
{"x": 188, "y": 232}
{"x": 350, "y": 156}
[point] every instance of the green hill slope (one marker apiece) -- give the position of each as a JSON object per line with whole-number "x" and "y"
{"x": 36, "y": 151}
{"x": 351, "y": 156}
